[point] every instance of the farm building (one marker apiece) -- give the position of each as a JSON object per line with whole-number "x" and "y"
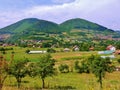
{"x": 37, "y": 52}
{"x": 66, "y": 50}
{"x": 117, "y": 68}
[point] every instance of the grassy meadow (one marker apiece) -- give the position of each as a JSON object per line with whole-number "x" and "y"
{"x": 71, "y": 80}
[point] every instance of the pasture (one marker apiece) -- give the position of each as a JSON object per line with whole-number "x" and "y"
{"x": 63, "y": 81}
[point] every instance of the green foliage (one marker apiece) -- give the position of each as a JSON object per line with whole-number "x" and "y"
{"x": 46, "y": 45}
{"x": 19, "y": 70}
{"x": 77, "y": 67}
{"x": 3, "y": 52}
{"x": 80, "y": 24}
{"x": 27, "y": 51}
{"x": 64, "y": 68}
{"x": 118, "y": 61}
{"x": 83, "y": 68}
{"x": 3, "y": 49}
{"x": 35, "y": 29}
{"x": 43, "y": 68}
{"x": 51, "y": 50}
{"x": 99, "y": 66}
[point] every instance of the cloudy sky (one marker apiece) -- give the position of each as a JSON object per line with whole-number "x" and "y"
{"x": 103, "y": 12}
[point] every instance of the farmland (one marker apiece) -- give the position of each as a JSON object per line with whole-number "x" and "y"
{"x": 71, "y": 80}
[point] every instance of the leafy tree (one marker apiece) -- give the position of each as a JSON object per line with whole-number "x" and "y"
{"x": 18, "y": 69}
{"x": 43, "y": 68}
{"x": 64, "y": 68}
{"x": 4, "y": 68}
{"x": 3, "y": 73}
{"x": 99, "y": 66}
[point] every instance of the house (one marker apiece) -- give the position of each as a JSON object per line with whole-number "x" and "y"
{"x": 66, "y": 50}
{"x": 91, "y": 48}
{"x": 75, "y": 48}
{"x": 117, "y": 68}
{"x": 117, "y": 52}
{"x": 109, "y": 50}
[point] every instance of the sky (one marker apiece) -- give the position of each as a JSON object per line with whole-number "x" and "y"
{"x": 103, "y": 12}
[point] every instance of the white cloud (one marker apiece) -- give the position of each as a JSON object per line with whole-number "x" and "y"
{"x": 79, "y": 8}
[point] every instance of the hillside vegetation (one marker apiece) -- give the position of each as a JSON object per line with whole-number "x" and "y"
{"x": 35, "y": 29}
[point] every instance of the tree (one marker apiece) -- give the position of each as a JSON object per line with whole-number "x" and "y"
{"x": 99, "y": 66}
{"x": 18, "y": 69}
{"x": 4, "y": 67}
{"x": 43, "y": 68}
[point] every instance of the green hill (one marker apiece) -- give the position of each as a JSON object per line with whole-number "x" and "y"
{"x": 81, "y": 24}
{"x": 33, "y": 28}
{"x": 31, "y": 25}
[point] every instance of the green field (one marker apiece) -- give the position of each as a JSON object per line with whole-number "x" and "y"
{"x": 71, "y": 80}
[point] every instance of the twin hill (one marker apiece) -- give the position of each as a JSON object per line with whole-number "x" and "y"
{"x": 33, "y": 28}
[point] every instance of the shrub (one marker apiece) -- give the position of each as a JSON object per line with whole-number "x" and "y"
{"x": 64, "y": 68}
{"x": 3, "y": 52}
{"x": 2, "y": 49}
{"x": 51, "y": 50}
{"x": 83, "y": 68}
{"x": 118, "y": 60}
{"x": 77, "y": 67}
{"x": 27, "y": 51}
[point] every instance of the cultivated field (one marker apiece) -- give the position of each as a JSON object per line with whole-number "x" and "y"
{"x": 63, "y": 81}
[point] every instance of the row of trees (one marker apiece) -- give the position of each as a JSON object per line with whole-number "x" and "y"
{"x": 96, "y": 65}
{"x": 45, "y": 67}
{"x": 21, "y": 68}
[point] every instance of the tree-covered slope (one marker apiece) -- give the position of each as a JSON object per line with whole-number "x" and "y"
{"x": 80, "y": 24}
{"x": 31, "y": 25}
{"x": 35, "y": 29}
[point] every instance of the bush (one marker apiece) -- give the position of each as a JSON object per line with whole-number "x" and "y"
{"x": 83, "y": 68}
{"x": 51, "y": 50}
{"x": 77, "y": 67}
{"x": 2, "y": 49}
{"x": 12, "y": 52}
{"x": 64, "y": 68}
{"x": 118, "y": 60}
{"x": 3, "y": 52}
{"x": 27, "y": 51}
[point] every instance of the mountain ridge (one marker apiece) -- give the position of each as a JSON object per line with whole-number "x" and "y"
{"x": 30, "y": 28}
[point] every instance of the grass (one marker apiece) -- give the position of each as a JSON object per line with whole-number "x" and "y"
{"x": 70, "y": 80}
